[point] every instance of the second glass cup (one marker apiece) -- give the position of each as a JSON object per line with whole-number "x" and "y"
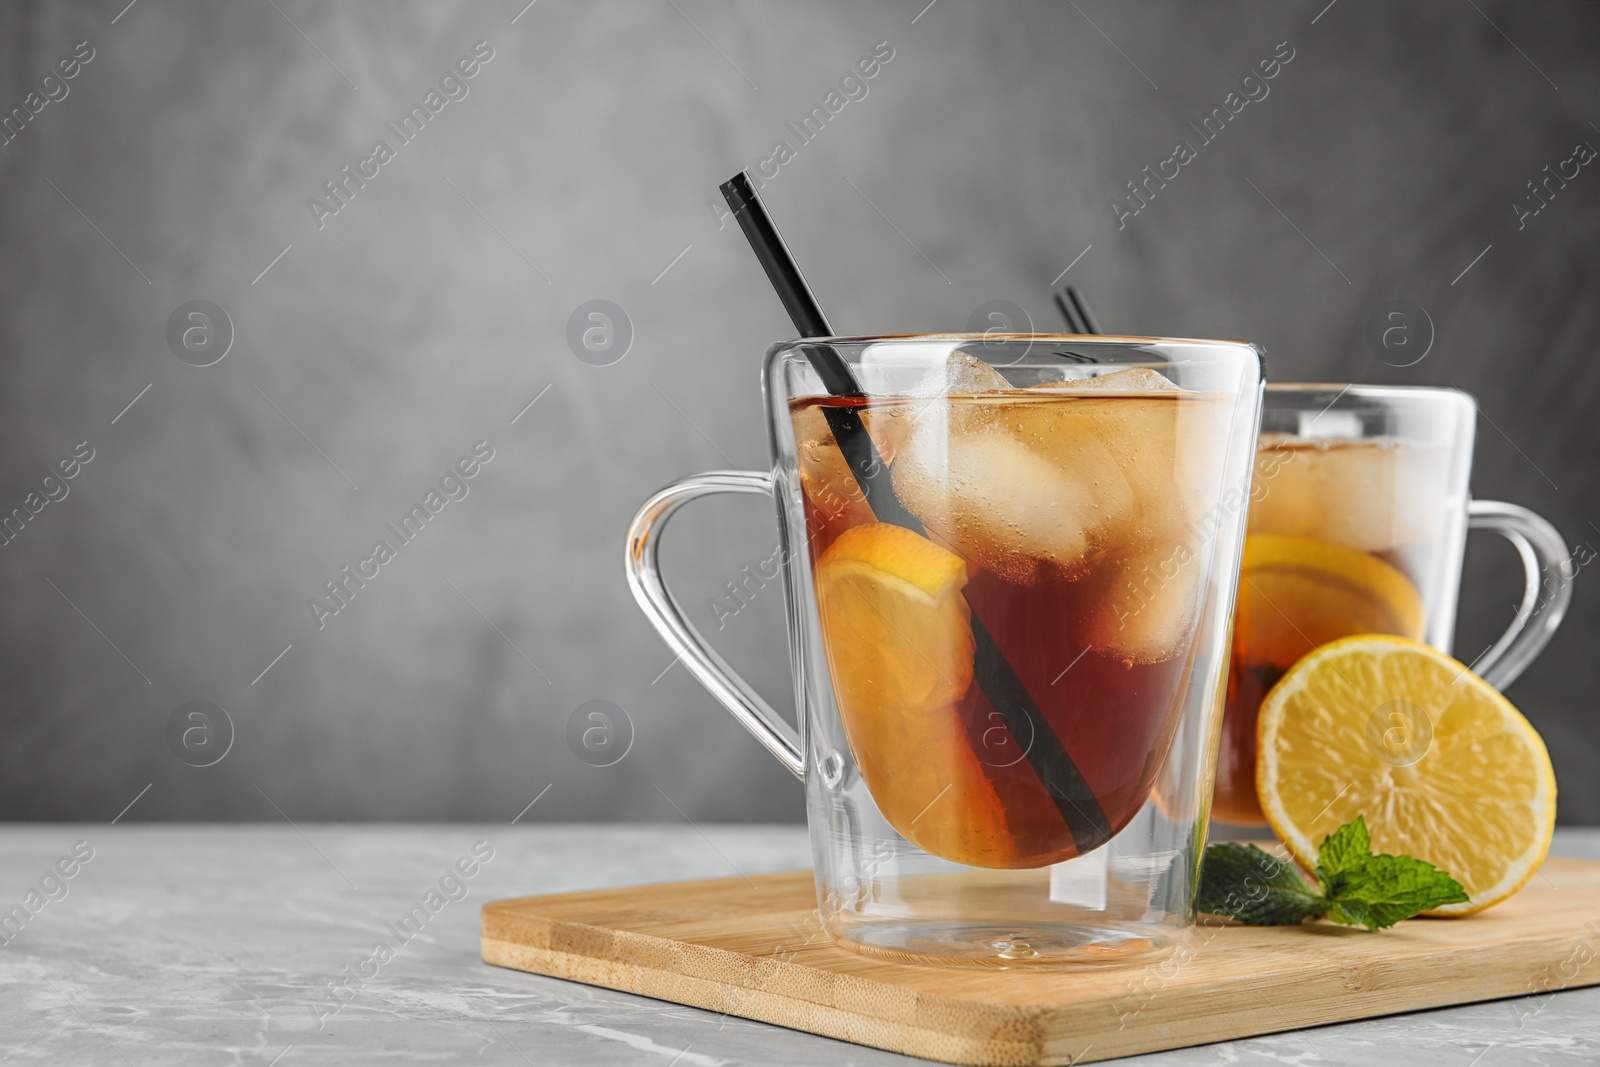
{"x": 1010, "y": 568}
{"x": 1358, "y": 519}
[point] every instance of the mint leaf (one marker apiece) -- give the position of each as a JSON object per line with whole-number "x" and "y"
{"x": 1383, "y": 890}
{"x": 1347, "y": 847}
{"x": 1255, "y": 888}
{"x": 1352, "y": 913}
{"x": 1358, "y": 888}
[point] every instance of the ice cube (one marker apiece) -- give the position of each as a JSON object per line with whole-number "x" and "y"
{"x": 1156, "y": 461}
{"x": 1169, "y": 450}
{"x": 1054, "y": 472}
{"x": 992, "y": 499}
{"x": 1012, "y": 482}
{"x": 1133, "y": 380}
{"x": 1374, "y": 494}
{"x": 960, "y": 375}
{"x": 1151, "y": 604}
{"x": 979, "y": 489}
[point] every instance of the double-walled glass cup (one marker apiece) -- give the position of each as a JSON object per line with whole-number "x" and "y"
{"x": 1358, "y": 520}
{"x": 1010, "y": 568}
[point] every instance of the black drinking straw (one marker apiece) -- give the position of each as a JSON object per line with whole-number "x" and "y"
{"x": 782, "y": 270}
{"x": 1075, "y": 310}
{"x": 857, "y": 446}
{"x": 1006, "y": 694}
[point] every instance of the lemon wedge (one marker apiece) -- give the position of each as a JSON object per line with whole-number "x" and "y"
{"x": 898, "y": 638}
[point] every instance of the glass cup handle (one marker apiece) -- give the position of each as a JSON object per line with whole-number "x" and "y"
{"x": 1548, "y": 569}
{"x": 661, "y": 608}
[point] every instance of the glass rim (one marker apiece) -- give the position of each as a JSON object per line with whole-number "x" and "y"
{"x": 998, "y": 337}
{"x": 1371, "y": 392}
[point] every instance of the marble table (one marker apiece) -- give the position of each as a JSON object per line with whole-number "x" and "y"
{"x": 222, "y": 944}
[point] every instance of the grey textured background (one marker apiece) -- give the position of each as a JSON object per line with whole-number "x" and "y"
{"x": 432, "y": 309}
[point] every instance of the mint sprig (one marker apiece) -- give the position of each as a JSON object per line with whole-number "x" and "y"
{"x": 1357, "y": 888}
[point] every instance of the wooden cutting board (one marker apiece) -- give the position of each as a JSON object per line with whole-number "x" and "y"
{"x": 749, "y": 947}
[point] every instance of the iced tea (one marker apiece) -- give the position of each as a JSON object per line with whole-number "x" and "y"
{"x": 1344, "y": 537}
{"x": 1064, "y": 520}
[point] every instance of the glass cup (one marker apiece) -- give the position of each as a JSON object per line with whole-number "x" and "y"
{"x": 1358, "y": 520}
{"x": 1009, "y": 571}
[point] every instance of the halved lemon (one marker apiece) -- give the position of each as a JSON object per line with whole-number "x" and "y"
{"x": 1296, "y": 593}
{"x": 1441, "y": 765}
{"x": 898, "y": 638}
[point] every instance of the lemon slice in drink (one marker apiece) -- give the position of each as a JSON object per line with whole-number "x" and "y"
{"x": 1441, "y": 765}
{"x": 1296, "y": 593}
{"x": 898, "y": 638}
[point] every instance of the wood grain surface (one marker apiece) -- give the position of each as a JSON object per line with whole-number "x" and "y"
{"x": 747, "y": 947}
